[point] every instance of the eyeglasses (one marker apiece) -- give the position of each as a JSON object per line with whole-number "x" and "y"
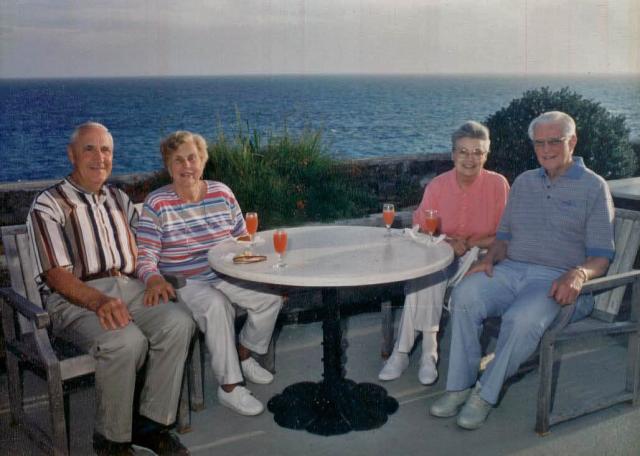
{"x": 551, "y": 142}
{"x": 476, "y": 154}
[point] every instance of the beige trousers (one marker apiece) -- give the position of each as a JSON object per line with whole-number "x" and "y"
{"x": 159, "y": 336}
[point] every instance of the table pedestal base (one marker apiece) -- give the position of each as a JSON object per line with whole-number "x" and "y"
{"x": 330, "y": 409}
{"x": 335, "y": 405}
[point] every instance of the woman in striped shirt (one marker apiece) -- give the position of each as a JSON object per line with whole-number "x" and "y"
{"x": 180, "y": 222}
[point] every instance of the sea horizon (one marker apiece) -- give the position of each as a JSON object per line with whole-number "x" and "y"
{"x": 355, "y": 74}
{"x": 359, "y": 115}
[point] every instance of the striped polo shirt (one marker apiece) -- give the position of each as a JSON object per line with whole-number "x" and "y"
{"x": 560, "y": 223}
{"x": 83, "y": 232}
{"x": 174, "y": 236}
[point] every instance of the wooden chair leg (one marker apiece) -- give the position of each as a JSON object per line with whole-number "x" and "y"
{"x": 196, "y": 374}
{"x": 387, "y": 328}
{"x": 633, "y": 367}
{"x": 67, "y": 419}
{"x": 544, "y": 388}
{"x": 15, "y": 380}
{"x": 183, "y": 423}
{"x": 57, "y": 416}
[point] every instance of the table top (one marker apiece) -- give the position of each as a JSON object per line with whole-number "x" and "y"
{"x": 335, "y": 256}
{"x": 625, "y": 188}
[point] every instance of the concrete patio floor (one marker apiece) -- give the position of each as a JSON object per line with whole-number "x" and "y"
{"x": 590, "y": 366}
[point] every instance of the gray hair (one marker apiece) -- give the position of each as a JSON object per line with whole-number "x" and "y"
{"x": 552, "y": 117}
{"x": 172, "y": 142}
{"x": 85, "y": 126}
{"x": 470, "y": 129}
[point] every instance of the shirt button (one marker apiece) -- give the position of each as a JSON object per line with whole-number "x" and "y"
{"x": 548, "y": 197}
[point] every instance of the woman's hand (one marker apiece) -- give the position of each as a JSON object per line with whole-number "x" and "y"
{"x": 459, "y": 245}
{"x": 158, "y": 289}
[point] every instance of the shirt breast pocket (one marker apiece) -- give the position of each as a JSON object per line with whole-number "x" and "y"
{"x": 570, "y": 217}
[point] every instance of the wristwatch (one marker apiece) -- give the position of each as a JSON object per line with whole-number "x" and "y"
{"x": 583, "y": 271}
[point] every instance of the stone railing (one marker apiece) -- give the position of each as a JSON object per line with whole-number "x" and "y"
{"x": 399, "y": 179}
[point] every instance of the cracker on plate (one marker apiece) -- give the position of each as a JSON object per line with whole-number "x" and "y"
{"x": 246, "y": 259}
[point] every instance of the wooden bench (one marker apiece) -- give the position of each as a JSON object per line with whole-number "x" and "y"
{"x": 609, "y": 292}
{"x": 29, "y": 346}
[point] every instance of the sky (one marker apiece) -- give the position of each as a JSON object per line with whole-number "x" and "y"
{"x": 87, "y": 38}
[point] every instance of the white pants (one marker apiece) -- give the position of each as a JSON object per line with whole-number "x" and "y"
{"x": 424, "y": 298}
{"x": 212, "y": 310}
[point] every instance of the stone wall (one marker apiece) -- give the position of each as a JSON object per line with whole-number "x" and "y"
{"x": 396, "y": 179}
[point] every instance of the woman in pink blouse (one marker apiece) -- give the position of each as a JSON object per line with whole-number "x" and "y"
{"x": 469, "y": 201}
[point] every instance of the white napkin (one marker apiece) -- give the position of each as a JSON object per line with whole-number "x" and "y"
{"x": 414, "y": 233}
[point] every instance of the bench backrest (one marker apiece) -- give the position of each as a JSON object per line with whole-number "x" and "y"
{"x": 627, "y": 239}
{"x": 20, "y": 264}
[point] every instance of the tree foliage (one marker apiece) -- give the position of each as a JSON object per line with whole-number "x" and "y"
{"x": 603, "y": 138}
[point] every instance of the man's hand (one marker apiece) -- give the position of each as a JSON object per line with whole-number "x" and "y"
{"x": 566, "y": 288}
{"x": 158, "y": 289}
{"x": 112, "y": 313}
{"x": 483, "y": 265}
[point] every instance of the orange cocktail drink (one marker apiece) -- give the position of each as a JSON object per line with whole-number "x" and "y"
{"x": 280, "y": 246}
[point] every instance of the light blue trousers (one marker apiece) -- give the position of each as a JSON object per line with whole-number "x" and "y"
{"x": 517, "y": 292}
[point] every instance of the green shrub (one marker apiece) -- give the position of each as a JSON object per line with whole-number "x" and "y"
{"x": 288, "y": 180}
{"x": 603, "y": 138}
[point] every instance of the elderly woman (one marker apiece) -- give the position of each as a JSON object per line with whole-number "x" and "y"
{"x": 469, "y": 201}
{"x": 179, "y": 224}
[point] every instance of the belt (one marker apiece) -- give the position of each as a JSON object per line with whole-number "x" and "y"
{"x": 113, "y": 272}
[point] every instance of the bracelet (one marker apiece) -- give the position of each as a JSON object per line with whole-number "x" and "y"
{"x": 583, "y": 271}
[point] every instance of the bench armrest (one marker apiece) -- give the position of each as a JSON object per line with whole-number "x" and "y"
{"x": 601, "y": 283}
{"x": 26, "y": 308}
{"x": 610, "y": 281}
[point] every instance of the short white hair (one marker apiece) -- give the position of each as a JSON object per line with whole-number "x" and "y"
{"x": 549, "y": 117}
{"x": 80, "y": 128}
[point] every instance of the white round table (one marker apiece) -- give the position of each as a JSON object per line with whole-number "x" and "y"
{"x": 335, "y": 256}
{"x": 329, "y": 257}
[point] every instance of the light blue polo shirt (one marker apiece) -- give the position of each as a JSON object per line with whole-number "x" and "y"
{"x": 558, "y": 224}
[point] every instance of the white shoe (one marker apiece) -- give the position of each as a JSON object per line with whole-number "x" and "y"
{"x": 254, "y": 372}
{"x": 394, "y": 367}
{"x": 241, "y": 401}
{"x": 428, "y": 373}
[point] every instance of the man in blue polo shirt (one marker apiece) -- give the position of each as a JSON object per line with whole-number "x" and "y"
{"x": 555, "y": 234}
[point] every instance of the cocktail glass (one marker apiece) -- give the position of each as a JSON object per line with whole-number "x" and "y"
{"x": 431, "y": 222}
{"x": 388, "y": 214}
{"x": 280, "y": 246}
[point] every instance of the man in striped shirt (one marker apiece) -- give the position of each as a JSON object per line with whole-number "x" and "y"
{"x": 81, "y": 231}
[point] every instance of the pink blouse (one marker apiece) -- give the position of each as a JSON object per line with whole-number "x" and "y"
{"x": 475, "y": 211}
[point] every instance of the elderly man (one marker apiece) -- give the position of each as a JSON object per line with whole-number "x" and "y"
{"x": 81, "y": 233}
{"x": 555, "y": 234}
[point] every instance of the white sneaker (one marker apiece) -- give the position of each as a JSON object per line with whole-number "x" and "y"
{"x": 240, "y": 400}
{"x": 394, "y": 367}
{"x": 254, "y": 372}
{"x": 428, "y": 373}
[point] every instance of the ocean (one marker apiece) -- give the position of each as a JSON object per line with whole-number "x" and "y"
{"x": 360, "y": 116}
